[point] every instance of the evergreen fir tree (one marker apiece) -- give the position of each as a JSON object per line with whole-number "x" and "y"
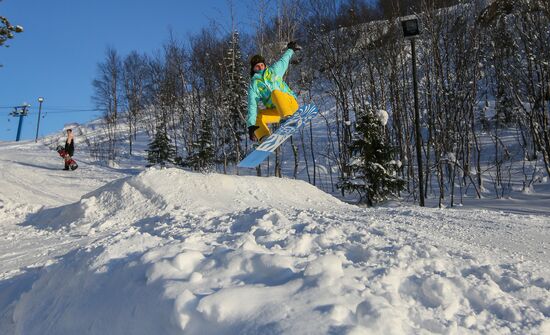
{"x": 235, "y": 97}
{"x": 160, "y": 149}
{"x": 202, "y": 157}
{"x": 373, "y": 168}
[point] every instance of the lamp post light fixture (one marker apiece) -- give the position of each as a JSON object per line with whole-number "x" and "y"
{"x": 40, "y": 101}
{"x": 411, "y": 27}
{"x": 411, "y": 31}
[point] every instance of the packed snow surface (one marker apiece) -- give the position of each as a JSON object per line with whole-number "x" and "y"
{"x": 165, "y": 251}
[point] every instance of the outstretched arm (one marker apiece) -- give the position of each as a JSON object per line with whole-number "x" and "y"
{"x": 280, "y": 66}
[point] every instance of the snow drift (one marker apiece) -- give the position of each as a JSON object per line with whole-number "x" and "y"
{"x": 175, "y": 252}
{"x": 162, "y": 195}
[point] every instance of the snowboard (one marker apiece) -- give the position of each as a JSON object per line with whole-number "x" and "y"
{"x": 68, "y": 159}
{"x": 303, "y": 115}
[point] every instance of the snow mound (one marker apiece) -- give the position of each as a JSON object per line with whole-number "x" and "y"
{"x": 164, "y": 195}
{"x": 175, "y": 252}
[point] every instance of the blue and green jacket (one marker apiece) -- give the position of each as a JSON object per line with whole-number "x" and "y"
{"x": 264, "y": 82}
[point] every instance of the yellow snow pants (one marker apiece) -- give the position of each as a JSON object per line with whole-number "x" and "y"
{"x": 285, "y": 105}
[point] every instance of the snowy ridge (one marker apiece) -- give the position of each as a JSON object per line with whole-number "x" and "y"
{"x": 166, "y": 193}
{"x": 184, "y": 253}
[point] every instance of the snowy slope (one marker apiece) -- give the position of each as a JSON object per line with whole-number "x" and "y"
{"x": 107, "y": 251}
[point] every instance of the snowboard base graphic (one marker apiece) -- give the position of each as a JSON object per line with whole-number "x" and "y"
{"x": 303, "y": 115}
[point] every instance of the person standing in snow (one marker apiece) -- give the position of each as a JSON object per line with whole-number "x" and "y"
{"x": 267, "y": 86}
{"x": 69, "y": 148}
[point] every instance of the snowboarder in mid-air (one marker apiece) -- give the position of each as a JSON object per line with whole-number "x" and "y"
{"x": 267, "y": 86}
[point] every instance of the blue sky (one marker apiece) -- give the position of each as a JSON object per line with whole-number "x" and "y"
{"x": 56, "y": 56}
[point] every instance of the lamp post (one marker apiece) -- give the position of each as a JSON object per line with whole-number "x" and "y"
{"x": 411, "y": 31}
{"x": 40, "y": 100}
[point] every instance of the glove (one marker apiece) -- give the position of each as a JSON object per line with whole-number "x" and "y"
{"x": 251, "y": 131}
{"x": 294, "y": 46}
